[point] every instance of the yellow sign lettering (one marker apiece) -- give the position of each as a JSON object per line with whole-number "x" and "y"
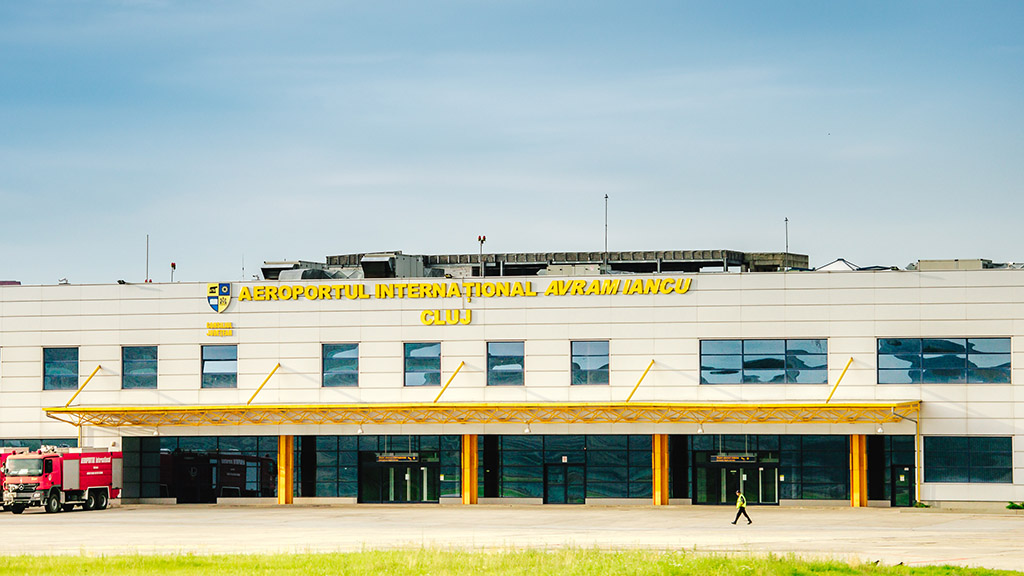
{"x": 464, "y": 289}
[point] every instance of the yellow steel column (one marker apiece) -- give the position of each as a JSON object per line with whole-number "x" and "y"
{"x": 470, "y": 465}
{"x": 858, "y": 471}
{"x": 659, "y": 461}
{"x": 285, "y": 469}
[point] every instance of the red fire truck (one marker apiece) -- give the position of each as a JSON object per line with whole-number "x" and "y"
{"x": 61, "y": 478}
{"x": 4, "y": 454}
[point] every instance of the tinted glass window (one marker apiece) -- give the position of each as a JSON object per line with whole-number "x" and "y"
{"x": 590, "y": 362}
{"x": 220, "y": 367}
{"x": 505, "y": 363}
{"x": 422, "y": 363}
{"x": 138, "y": 367}
{"x": 943, "y": 360}
{"x": 764, "y": 361}
{"x": 970, "y": 459}
{"x": 60, "y": 368}
{"x": 340, "y": 365}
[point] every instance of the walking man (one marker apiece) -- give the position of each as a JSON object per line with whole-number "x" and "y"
{"x": 741, "y": 507}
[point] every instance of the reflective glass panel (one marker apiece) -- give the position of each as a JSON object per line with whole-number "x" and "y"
{"x": 807, "y": 376}
{"x": 944, "y": 346}
{"x": 422, "y": 363}
{"x": 720, "y": 376}
{"x": 899, "y": 346}
{"x": 590, "y": 362}
{"x": 764, "y": 376}
{"x": 138, "y": 367}
{"x": 764, "y": 361}
{"x": 340, "y": 365}
{"x": 764, "y": 347}
{"x": 899, "y": 376}
{"x": 588, "y": 348}
{"x": 901, "y": 361}
{"x": 989, "y": 361}
{"x": 721, "y": 347}
{"x": 220, "y": 366}
{"x": 756, "y": 362}
{"x": 945, "y": 360}
{"x": 721, "y": 362}
{"x": 807, "y": 361}
{"x": 806, "y": 347}
{"x": 60, "y": 368}
{"x": 979, "y": 459}
{"x": 988, "y": 345}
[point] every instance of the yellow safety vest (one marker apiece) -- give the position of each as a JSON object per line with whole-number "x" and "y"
{"x": 741, "y": 501}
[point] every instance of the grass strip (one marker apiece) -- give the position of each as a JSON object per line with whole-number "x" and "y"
{"x": 440, "y": 562}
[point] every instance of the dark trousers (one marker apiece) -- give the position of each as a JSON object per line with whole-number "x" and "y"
{"x": 742, "y": 510}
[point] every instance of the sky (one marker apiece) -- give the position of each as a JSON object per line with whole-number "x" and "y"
{"x": 236, "y": 132}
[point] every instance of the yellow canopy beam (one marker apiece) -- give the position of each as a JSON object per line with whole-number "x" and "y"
{"x": 82, "y": 387}
{"x": 839, "y": 380}
{"x": 642, "y": 376}
{"x": 484, "y": 413}
{"x": 454, "y": 374}
{"x": 265, "y": 380}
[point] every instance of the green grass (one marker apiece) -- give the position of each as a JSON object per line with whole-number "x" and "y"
{"x": 437, "y": 562}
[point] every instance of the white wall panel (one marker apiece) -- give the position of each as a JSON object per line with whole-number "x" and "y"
{"x": 851, "y": 310}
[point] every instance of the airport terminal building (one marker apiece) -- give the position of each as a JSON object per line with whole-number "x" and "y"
{"x": 672, "y": 377}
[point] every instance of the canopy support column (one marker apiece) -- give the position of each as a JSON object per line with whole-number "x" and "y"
{"x": 659, "y": 461}
{"x": 858, "y": 471}
{"x": 285, "y": 469}
{"x": 470, "y": 467}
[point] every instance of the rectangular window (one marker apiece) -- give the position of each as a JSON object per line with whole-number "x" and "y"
{"x": 972, "y": 459}
{"x": 220, "y": 366}
{"x": 422, "y": 363}
{"x": 943, "y": 360}
{"x": 138, "y": 367}
{"x": 590, "y": 362}
{"x": 764, "y": 361}
{"x": 340, "y": 365}
{"x": 505, "y": 363}
{"x": 60, "y": 368}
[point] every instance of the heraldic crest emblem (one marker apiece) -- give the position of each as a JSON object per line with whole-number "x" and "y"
{"x": 219, "y": 296}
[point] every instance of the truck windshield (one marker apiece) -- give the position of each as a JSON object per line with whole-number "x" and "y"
{"x": 24, "y": 466}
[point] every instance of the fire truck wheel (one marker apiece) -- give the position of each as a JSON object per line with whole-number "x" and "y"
{"x": 90, "y": 501}
{"x": 101, "y": 500}
{"x": 52, "y": 503}
{"x": 17, "y": 509}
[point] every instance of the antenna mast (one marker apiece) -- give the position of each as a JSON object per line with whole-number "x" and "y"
{"x": 606, "y": 230}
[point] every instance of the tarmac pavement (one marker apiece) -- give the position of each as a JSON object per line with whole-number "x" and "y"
{"x": 910, "y": 536}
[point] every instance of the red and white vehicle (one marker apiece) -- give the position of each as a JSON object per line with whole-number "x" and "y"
{"x": 4, "y": 453}
{"x": 61, "y": 478}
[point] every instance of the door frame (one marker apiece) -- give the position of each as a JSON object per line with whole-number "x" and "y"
{"x": 565, "y": 471}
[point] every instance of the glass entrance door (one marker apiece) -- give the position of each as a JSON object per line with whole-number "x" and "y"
{"x": 718, "y": 485}
{"x": 397, "y": 482}
{"x": 733, "y": 479}
{"x": 564, "y": 484}
{"x": 768, "y": 485}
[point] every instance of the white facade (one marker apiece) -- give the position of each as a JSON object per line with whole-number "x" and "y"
{"x": 851, "y": 310}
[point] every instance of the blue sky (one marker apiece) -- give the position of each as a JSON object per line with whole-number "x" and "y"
{"x": 236, "y": 132}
